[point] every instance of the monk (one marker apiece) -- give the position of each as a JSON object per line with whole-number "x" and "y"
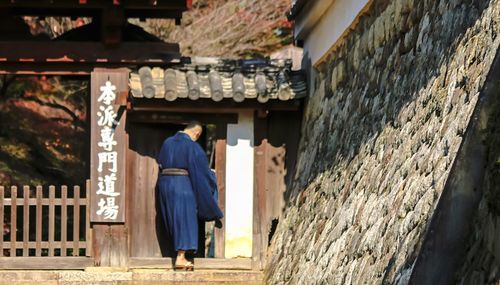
{"x": 186, "y": 188}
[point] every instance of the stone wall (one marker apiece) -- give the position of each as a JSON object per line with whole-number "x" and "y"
{"x": 481, "y": 263}
{"x": 381, "y": 131}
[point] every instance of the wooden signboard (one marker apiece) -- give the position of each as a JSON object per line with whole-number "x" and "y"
{"x": 108, "y": 145}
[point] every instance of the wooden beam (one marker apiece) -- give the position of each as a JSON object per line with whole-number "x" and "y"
{"x": 93, "y": 8}
{"x": 87, "y": 52}
{"x": 202, "y": 105}
{"x": 26, "y": 263}
{"x": 181, "y": 118}
{"x": 94, "y": 4}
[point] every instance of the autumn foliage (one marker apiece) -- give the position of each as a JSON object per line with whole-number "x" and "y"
{"x": 44, "y": 135}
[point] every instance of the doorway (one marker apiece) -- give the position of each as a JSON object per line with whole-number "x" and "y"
{"x": 148, "y": 237}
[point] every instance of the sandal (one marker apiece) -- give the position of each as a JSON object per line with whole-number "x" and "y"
{"x": 188, "y": 266}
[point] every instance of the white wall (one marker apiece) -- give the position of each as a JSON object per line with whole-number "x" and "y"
{"x": 239, "y": 187}
{"x": 322, "y": 25}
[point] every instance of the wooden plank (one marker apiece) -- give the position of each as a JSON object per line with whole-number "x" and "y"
{"x": 87, "y": 52}
{"x": 43, "y": 244}
{"x": 88, "y": 233}
{"x": 181, "y": 118}
{"x": 259, "y": 210}
{"x": 275, "y": 183}
{"x": 2, "y": 219}
{"x": 220, "y": 170}
{"x": 13, "y": 220}
{"x": 26, "y": 220}
{"x": 83, "y": 5}
{"x": 76, "y": 220}
{"x": 100, "y": 244}
{"x": 32, "y": 262}
{"x": 52, "y": 194}
{"x": 199, "y": 263}
{"x": 118, "y": 78}
{"x": 118, "y": 246}
{"x": 64, "y": 219}
{"x": 147, "y": 233}
{"x": 45, "y": 201}
{"x": 39, "y": 213}
{"x": 207, "y": 105}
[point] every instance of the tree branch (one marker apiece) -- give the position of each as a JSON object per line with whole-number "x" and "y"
{"x": 76, "y": 121}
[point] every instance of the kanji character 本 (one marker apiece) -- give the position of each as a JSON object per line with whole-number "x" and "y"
{"x": 106, "y": 116}
{"x": 107, "y": 95}
{"x": 107, "y": 157}
{"x": 108, "y": 208}
{"x": 106, "y": 185}
{"x": 107, "y": 139}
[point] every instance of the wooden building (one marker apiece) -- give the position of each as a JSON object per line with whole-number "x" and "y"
{"x": 142, "y": 91}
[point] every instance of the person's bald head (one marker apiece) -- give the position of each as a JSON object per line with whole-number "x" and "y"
{"x": 193, "y": 130}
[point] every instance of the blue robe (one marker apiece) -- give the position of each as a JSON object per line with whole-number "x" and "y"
{"x": 184, "y": 199}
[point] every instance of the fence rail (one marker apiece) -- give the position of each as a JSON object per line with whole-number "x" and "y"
{"x": 44, "y": 222}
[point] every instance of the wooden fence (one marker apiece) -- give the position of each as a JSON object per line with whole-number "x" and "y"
{"x": 51, "y": 222}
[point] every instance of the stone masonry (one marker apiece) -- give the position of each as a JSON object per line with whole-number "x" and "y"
{"x": 381, "y": 130}
{"x": 481, "y": 263}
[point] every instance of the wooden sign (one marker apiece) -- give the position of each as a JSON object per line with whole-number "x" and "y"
{"x": 108, "y": 145}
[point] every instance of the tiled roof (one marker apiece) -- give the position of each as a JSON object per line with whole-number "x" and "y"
{"x": 216, "y": 79}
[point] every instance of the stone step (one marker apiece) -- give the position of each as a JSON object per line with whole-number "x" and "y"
{"x": 132, "y": 277}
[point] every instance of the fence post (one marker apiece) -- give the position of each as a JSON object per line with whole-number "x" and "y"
{"x": 26, "y": 220}
{"x": 13, "y": 220}
{"x": 64, "y": 219}
{"x": 52, "y": 194}
{"x": 2, "y": 225}
{"x": 39, "y": 196}
{"x": 76, "y": 220}
{"x": 88, "y": 230}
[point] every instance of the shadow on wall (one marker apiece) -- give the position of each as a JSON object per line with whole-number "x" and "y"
{"x": 383, "y": 109}
{"x": 444, "y": 247}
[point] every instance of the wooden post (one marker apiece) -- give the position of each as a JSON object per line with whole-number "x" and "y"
{"x": 39, "y": 197}
{"x": 220, "y": 170}
{"x": 64, "y": 219}
{"x": 2, "y": 225}
{"x": 88, "y": 229}
{"x": 109, "y": 235}
{"x": 260, "y": 189}
{"x": 52, "y": 195}
{"x": 26, "y": 220}
{"x": 13, "y": 220}
{"x": 76, "y": 220}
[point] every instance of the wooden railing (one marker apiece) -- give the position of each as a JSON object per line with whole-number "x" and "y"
{"x": 48, "y": 222}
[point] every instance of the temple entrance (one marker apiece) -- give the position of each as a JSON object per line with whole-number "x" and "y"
{"x": 148, "y": 237}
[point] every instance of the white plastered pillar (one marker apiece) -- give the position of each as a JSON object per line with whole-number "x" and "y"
{"x": 239, "y": 186}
